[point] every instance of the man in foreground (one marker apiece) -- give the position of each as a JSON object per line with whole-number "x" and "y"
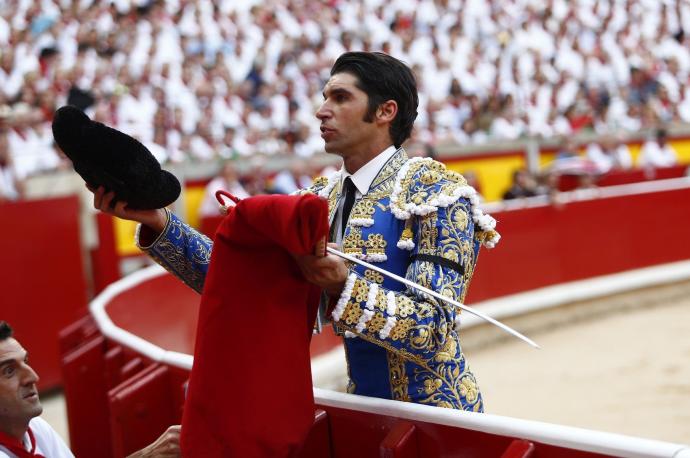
{"x": 23, "y": 433}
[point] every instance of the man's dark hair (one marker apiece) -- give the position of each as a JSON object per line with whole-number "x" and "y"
{"x": 383, "y": 78}
{"x": 5, "y": 330}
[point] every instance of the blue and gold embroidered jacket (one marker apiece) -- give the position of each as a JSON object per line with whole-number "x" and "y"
{"x": 420, "y": 221}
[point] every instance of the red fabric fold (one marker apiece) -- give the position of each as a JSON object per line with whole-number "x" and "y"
{"x": 15, "y": 446}
{"x": 250, "y": 391}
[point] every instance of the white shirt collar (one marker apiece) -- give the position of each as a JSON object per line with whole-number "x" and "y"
{"x": 363, "y": 177}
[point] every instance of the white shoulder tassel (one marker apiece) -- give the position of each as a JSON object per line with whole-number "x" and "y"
{"x": 403, "y": 210}
{"x": 333, "y": 179}
{"x": 407, "y": 244}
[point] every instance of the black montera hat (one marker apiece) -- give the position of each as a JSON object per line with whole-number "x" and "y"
{"x": 107, "y": 157}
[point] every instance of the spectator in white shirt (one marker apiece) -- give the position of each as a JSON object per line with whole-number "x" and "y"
{"x": 684, "y": 105}
{"x": 657, "y": 152}
{"x": 227, "y": 180}
{"x": 157, "y": 146}
{"x": 202, "y": 146}
{"x": 611, "y": 153}
{"x": 507, "y": 126}
{"x": 24, "y": 433}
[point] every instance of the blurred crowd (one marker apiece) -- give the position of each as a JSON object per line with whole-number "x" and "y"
{"x": 608, "y": 154}
{"x": 200, "y": 80}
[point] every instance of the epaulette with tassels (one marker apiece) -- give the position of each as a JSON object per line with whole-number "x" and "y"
{"x": 423, "y": 185}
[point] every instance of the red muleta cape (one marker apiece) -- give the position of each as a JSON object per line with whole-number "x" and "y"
{"x": 250, "y": 391}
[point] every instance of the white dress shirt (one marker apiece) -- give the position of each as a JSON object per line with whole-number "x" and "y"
{"x": 48, "y": 443}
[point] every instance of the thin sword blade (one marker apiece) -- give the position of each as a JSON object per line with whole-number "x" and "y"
{"x": 432, "y": 293}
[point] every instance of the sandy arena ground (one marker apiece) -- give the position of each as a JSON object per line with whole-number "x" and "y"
{"x": 627, "y": 373}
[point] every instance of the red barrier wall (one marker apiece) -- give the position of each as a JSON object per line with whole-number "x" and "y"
{"x": 353, "y": 433}
{"x": 42, "y": 278}
{"x": 553, "y": 244}
{"x": 143, "y": 406}
{"x": 162, "y": 310}
{"x": 105, "y": 263}
{"x": 618, "y": 177}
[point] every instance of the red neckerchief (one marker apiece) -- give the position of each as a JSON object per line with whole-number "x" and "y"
{"x": 17, "y": 447}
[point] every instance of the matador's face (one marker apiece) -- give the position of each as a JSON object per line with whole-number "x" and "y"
{"x": 342, "y": 114}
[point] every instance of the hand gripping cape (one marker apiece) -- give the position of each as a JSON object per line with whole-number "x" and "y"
{"x": 250, "y": 391}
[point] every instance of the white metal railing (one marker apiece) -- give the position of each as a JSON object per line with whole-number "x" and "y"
{"x": 98, "y": 309}
{"x": 545, "y": 433}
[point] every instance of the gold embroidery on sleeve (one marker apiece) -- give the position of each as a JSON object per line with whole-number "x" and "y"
{"x": 373, "y": 276}
{"x": 377, "y": 322}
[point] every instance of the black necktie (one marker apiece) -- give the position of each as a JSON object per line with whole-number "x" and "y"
{"x": 349, "y": 191}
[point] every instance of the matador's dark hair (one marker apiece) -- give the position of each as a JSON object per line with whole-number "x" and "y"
{"x": 382, "y": 78}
